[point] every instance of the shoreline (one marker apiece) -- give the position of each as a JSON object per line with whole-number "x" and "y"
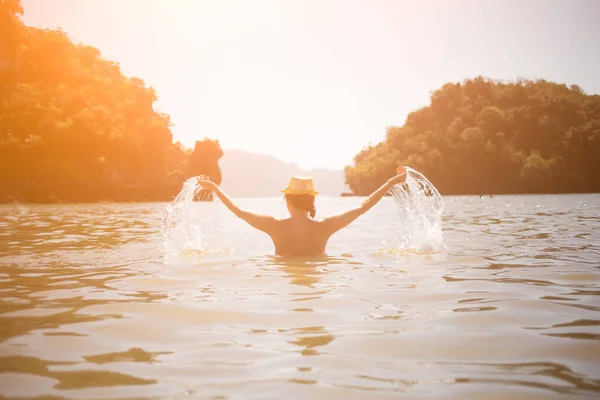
{"x": 5, "y": 202}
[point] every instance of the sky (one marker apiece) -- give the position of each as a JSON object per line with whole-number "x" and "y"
{"x": 315, "y": 81}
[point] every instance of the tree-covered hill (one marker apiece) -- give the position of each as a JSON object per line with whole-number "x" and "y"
{"x": 483, "y": 136}
{"x": 73, "y": 127}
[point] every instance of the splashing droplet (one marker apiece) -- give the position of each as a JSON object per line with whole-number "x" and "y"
{"x": 182, "y": 221}
{"x": 420, "y": 208}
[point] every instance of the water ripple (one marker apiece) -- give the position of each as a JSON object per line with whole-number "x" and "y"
{"x": 92, "y": 306}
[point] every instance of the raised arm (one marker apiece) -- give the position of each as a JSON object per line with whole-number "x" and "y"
{"x": 336, "y": 222}
{"x": 265, "y": 223}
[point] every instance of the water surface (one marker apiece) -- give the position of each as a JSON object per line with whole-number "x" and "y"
{"x": 93, "y": 307}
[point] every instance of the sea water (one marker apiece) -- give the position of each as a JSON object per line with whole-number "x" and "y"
{"x": 91, "y": 307}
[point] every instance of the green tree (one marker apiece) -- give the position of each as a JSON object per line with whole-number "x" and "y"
{"x": 73, "y": 127}
{"x": 483, "y": 136}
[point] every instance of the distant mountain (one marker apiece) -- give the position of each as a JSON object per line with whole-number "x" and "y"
{"x": 257, "y": 175}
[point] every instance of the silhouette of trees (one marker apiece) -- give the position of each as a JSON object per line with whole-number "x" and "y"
{"x": 204, "y": 160}
{"x": 73, "y": 127}
{"x": 485, "y": 136}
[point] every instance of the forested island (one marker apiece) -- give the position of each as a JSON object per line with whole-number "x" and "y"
{"x": 74, "y": 128}
{"x": 483, "y": 136}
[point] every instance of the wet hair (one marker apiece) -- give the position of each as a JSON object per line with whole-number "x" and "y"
{"x": 304, "y": 202}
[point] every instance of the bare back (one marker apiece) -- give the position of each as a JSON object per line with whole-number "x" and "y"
{"x": 300, "y": 237}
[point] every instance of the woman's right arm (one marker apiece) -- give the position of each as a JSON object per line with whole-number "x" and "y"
{"x": 265, "y": 223}
{"x": 336, "y": 222}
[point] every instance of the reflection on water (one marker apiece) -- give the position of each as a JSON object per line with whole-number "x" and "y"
{"x": 310, "y": 339}
{"x": 92, "y": 307}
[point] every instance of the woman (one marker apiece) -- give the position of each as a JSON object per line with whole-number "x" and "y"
{"x": 301, "y": 234}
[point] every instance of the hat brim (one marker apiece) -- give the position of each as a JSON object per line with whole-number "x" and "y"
{"x": 300, "y": 192}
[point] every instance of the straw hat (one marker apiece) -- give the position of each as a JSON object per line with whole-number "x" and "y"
{"x": 300, "y": 185}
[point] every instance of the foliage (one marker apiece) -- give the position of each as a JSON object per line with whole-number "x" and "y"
{"x": 204, "y": 160}
{"x": 73, "y": 127}
{"x": 482, "y": 136}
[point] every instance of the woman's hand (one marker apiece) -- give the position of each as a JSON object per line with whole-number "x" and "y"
{"x": 206, "y": 183}
{"x": 400, "y": 176}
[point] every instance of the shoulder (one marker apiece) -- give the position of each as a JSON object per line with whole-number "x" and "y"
{"x": 322, "y": 224}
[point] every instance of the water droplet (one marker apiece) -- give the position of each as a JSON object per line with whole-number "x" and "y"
{"x": 181, "y": 225}
{"x": 420, "y": 208}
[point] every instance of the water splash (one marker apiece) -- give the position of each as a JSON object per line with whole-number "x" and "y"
{"x": 420, "y": 208}
{"x": 182, "y": 222}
